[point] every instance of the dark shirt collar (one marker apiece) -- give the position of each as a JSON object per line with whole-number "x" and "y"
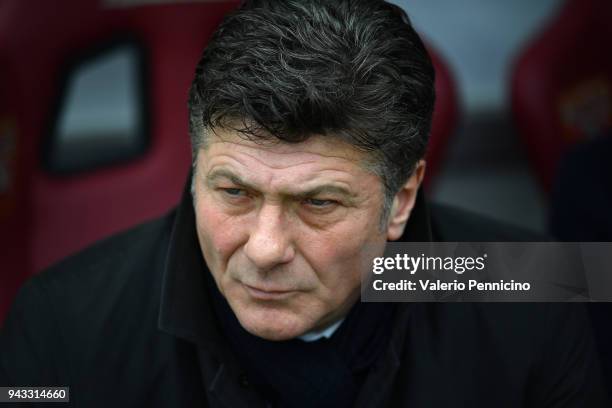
{"x": 185, "y": 310}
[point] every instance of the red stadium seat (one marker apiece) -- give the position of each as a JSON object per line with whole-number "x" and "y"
{"x": 45, "y": 216}
{"x": 562, "y": 84}
{"x": 445, "y": 118}
{"x": 46, "y": 212}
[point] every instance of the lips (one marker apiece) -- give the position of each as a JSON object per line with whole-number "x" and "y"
{"x": 266, "y": 293}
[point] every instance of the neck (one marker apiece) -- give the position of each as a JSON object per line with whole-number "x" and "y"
{"x": 326, "y": 332}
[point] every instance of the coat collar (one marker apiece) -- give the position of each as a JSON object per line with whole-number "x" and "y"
{"x": 185, "y": 310}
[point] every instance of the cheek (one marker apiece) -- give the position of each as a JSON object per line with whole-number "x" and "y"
{"x": 220, "y": 235}
{"x": 341, "y": 257}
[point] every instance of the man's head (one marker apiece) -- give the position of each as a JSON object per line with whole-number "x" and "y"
{"x": 308, "y": 119}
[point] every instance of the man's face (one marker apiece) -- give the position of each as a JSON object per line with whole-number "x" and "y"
{"x": 286, "y": 229}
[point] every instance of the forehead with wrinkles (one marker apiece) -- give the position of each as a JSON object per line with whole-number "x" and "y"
{"x": 317, "y": 151}
{"x": 315, "y": 145}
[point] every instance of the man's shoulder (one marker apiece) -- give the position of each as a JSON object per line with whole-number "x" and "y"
{"x": 521, "y": 326}
{"x": 96, "y": 308}
{"x": 541, "y": 352}
{"x": 114, "y": 280}
{"x": 114, "y": 257}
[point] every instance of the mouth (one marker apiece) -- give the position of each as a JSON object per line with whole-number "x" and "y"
{"x": 266, "y": 294}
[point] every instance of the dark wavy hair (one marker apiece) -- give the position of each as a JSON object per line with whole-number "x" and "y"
{"x": 350, "y": 69}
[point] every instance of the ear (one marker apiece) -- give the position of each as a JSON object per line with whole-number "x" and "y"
{"x": 403, "y": 202}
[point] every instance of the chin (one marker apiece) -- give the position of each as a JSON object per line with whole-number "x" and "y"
{"x": 271, "y": 324}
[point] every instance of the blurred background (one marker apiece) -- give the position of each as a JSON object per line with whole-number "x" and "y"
{"x": 93, "y": 116}
{"x": 486, "y": 168}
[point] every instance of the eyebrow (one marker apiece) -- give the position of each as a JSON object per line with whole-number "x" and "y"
{"x": 215, "y": 175}
{"x": 226, "y": 174}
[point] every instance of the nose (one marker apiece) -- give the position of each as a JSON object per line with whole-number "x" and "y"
{"x": 269, "y": 242}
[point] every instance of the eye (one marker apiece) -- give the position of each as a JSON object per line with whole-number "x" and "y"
{"x": 318, "y": 203}
{"x": 234, "y": 192}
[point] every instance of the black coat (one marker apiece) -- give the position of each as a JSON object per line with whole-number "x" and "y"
{"x": 127, "y": 323}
